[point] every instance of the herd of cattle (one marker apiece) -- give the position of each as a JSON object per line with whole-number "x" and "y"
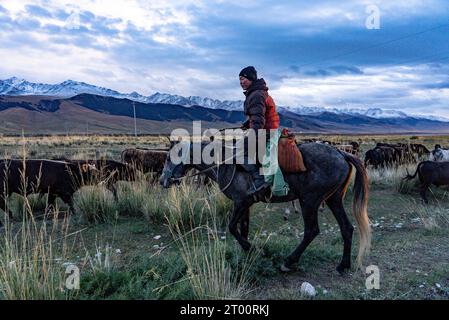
{"x": 352, "y": 147}
{"x": 386, "y": 154}
{"x": 433, "y": 171}
{"x": 62, "y": 177}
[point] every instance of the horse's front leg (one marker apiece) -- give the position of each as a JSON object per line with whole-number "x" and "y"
{"x": 237, "y": 214}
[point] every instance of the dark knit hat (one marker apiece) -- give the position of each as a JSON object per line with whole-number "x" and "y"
{"x": 249, "y": 73}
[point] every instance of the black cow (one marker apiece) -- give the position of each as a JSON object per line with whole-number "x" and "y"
{"x": 57, "y": 178}
{"x": 389, "y": 155}
{"x": 403, "y": 152}
{"x": 380, "y": 157}
{"x": 430, "y": 173}
{"x": 374, "y": 157}
{"x": 420, "y": 149}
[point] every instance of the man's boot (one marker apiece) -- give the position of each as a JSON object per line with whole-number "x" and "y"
{"x": 260, "y": 187}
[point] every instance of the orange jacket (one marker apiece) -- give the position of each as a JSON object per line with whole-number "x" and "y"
{"x": 260, "y": 108}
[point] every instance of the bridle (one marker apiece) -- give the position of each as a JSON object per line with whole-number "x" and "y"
{"x": 217, "y": 165}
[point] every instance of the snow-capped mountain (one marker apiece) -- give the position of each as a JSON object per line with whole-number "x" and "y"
{"x": 69, "y": 88}
{"x": 370, "y": 112}
{"x": 168, "y": 98}
{"x": 195, "y": 101}
{"x": 17, "y": 87}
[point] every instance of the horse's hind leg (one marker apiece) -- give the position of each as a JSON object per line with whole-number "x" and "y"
{"x": 311, "y": 230}
{"x": 238, "y": 213}
{"x": 335, "y": 203}
{"x": 244, "y": 225}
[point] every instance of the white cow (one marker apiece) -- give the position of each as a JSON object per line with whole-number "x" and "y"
{"x": 439, "y": 154}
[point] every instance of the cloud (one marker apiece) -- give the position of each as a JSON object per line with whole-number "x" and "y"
{"x": 316, "y": 53}
{"x": 325, "y": 72}
{"x": 438, "y": 85}
{"x": 38, "y": 11}
{"x": 386, "y": 87}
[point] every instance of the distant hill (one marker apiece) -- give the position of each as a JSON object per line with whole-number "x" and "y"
{"x": 69, "y": 88}
{"x": 102, "y": 114}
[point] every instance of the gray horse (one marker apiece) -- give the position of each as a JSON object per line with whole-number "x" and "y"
{"x": 326, "y": 179}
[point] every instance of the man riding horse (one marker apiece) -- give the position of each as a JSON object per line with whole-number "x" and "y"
{"x": 260, "y": 109}
{"x": 326, "y": 180}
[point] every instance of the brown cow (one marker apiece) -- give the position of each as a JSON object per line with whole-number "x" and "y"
{"x": 145, "y": 159}
{"x": 57, "y": 178}
{"x": 108, "y": 171}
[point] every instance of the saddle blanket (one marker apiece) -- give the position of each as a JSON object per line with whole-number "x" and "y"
{"x": 282, "y": 155}
{"x": 289, "y": 156}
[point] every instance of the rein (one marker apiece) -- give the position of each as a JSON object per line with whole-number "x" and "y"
{"x": 216, "y": 174}
{"x": 195, "y": 174}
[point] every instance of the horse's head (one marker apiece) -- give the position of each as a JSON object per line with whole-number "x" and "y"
{"x": 174, "y": 167}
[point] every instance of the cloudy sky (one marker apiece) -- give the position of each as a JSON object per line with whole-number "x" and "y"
{"x": 320, "y": 53}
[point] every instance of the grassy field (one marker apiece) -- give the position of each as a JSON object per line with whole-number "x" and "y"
{"x": 152, "y": 243}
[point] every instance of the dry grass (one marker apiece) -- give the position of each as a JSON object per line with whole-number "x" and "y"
{"x": 32, "y": 252}
{"x": 432, "y": 217}
{"x": 391, "y": 176}
{"x": 95, "y": 204}
{"x": 31, "y": 259}
{"x": 196, "y": 228}
{"x": 76, "y": 140}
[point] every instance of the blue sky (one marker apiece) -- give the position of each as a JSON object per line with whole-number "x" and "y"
{"x": 316, "y": 53}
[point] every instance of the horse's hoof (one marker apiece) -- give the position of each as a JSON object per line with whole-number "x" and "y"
{"x": 285, "y": 269}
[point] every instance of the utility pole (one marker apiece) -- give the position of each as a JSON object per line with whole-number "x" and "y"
{"x": 135, "y": 123}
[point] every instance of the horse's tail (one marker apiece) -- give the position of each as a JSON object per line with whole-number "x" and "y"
{"x": 360, "y": 206}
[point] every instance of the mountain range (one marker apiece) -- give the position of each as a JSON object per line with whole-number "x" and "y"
{"x": 78, "y": 107}
{"x": 69, "y": 88}
{"x": 17, "y": 87}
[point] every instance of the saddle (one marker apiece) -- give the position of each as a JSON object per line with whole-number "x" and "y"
{"x": 289, "y": 156}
